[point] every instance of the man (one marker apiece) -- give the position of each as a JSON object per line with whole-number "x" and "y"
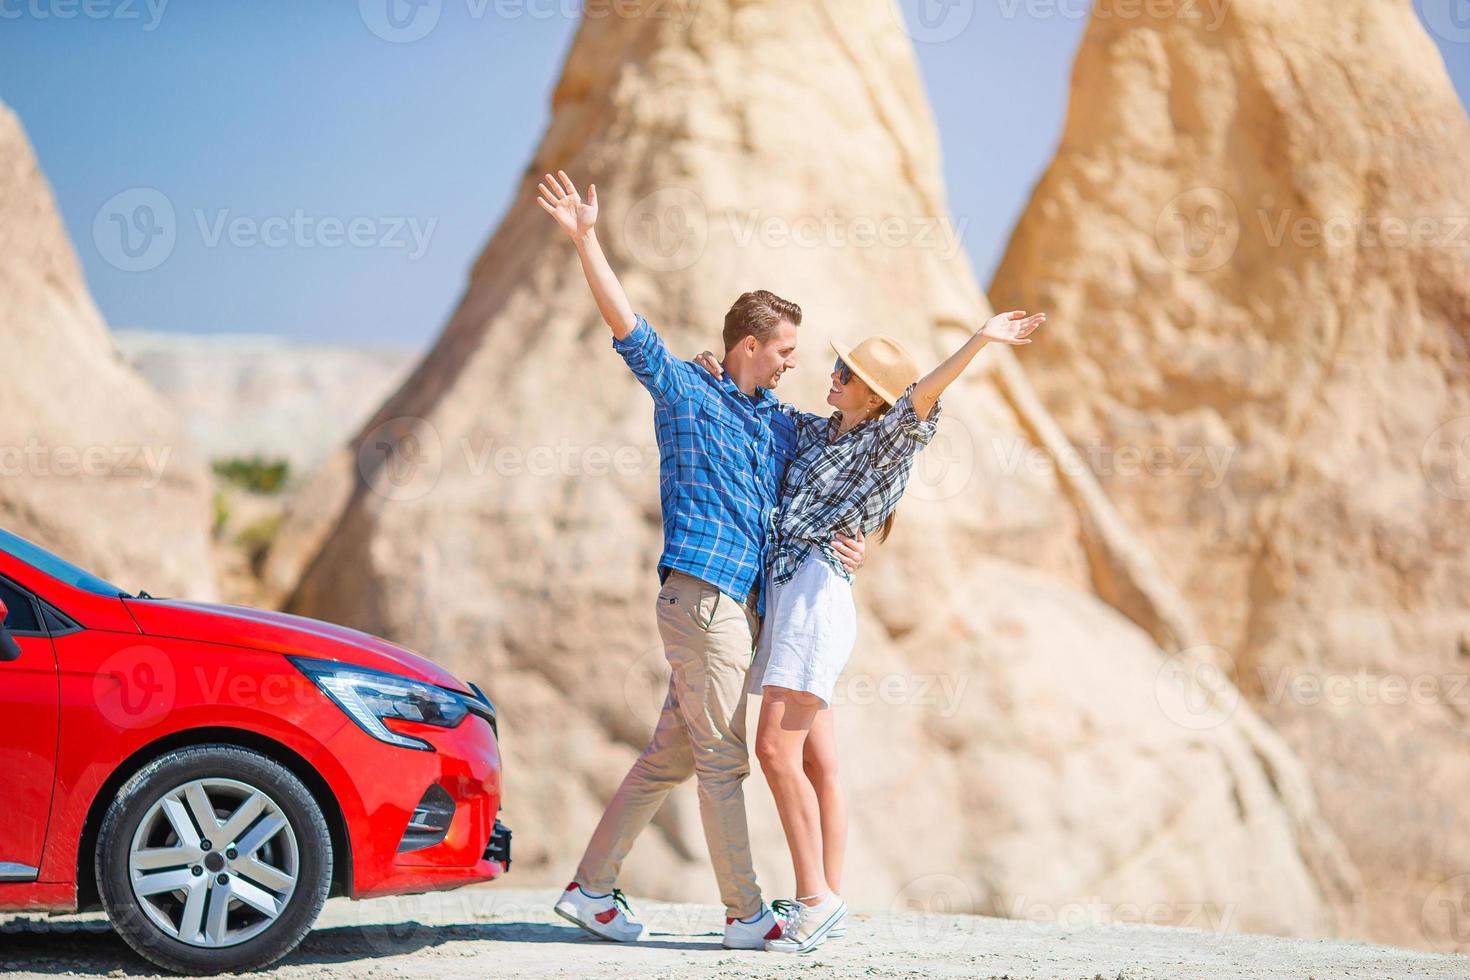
{"x": 723, "y": 446}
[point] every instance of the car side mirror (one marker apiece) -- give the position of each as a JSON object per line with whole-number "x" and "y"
{"x": 9, "y": 649}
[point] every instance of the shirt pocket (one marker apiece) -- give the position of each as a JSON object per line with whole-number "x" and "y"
{"x": 731, "y": 443}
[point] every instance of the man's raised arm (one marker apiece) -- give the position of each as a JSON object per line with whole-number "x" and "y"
{"x": 559, "y": 198}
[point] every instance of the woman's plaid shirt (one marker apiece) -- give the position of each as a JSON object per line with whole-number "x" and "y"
{"x": 843, "y": 483}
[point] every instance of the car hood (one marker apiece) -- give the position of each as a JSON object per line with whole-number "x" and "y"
{"x": 283, "y": 633}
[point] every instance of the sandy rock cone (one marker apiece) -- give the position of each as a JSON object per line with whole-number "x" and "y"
{"x": 1254, "y": 241}
{"x": 95, "y": 464}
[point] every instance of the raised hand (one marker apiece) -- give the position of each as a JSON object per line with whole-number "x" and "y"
{"x": 1012, "y": 328}
{"x": 710, "y": 363}
{"x": 559, "y": 198}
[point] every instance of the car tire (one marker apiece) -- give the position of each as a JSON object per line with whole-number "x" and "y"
{"x": 240, "y": 903}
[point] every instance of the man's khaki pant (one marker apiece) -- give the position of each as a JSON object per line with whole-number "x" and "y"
{"x": 708, "y": 640}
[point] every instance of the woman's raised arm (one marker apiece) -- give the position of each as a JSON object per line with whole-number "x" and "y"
{"x": 1011, "y": 328}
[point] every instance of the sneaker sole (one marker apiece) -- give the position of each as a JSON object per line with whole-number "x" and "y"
{"x": 756, "y": 944}
{"x": 591, "y": 931}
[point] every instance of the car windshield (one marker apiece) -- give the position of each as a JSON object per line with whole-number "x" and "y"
{"x": 58, "y": 568}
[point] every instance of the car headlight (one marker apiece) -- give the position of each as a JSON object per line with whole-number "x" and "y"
{"x": 370, "y": 697}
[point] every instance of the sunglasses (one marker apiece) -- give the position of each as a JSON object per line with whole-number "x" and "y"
{"x": 843, "y": 372}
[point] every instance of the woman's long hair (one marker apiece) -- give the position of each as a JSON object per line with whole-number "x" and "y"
{"x": 887, "y": 527}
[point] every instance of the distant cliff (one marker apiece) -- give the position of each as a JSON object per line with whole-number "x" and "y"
{"x": 246, "y": 394}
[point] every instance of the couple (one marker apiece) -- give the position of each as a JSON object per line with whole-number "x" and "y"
{"x": 765, "y": 511}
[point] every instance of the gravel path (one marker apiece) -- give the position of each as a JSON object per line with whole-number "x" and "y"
{"x": 491, "y": 931}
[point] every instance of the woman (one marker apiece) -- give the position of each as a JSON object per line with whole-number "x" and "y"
{"x": 848, "y": 474}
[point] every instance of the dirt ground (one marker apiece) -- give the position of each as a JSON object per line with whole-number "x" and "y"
{"x": 490, "y": 931}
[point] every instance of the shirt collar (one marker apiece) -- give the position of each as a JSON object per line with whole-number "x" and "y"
{"x": 834, "y": 421}
{"x": 763, "y": 399}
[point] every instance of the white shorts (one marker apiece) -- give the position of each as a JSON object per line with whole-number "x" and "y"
{"x": 809, "y": 632}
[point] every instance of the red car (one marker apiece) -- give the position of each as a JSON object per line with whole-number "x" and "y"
{"x": 210, "y": 774}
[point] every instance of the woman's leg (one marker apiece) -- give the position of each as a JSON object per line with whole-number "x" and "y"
{"x": 819, "y": 759}
{"x": 786, "y": 718}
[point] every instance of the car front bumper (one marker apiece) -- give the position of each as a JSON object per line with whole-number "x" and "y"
{"x": 498, "y": 850}
{"x": 391, "y": 784}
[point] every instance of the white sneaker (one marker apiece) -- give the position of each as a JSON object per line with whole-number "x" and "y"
{"x": 753, "y": 933}
{"x": 814, "y": 923}
{"x": 605, "y": 916}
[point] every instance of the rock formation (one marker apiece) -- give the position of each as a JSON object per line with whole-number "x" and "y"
{"x": 93, "y": 462}
{"x": 1013, "y": 745}
{"x": 1253, "y": 242}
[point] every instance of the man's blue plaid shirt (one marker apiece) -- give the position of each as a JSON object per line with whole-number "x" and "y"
{"x": 722, "y": 454}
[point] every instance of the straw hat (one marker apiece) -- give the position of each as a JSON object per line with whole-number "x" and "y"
{"x": 882, "y": 363}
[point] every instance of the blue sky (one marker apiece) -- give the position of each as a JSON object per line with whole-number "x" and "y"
{"x": 314, "y": 113}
